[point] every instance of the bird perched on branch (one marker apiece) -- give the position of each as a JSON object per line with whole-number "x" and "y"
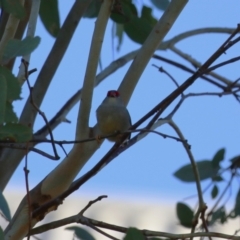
{"x": 113, "y": 116}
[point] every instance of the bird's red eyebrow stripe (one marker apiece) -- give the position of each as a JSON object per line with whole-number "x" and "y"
{"x": 113, "y": 93}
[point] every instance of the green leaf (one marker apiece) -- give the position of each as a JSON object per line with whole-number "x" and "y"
{"x": 217, "y": 178}
{"x": 49, "y": 14}
{"x": 205, "y": 168}
{"x": 184, "y": 214}
{"x": 147, "y": 15}
{"x": 134, "y": 234}
{"x": 235, "y": 162}
{"x": 13, "y": 86}
{"x": 10, "y": 115}
{"x": 1, "y": 234}
{"x": 3, "y": 98}
{"x": 220, "y": 215}
{"x": 161, "y": 4}
{"x": 15, "y": 132}
{"x": 119, "y": 34}
{"x": 218, "y": 157}
{"x": 232, "y": 214}
{"x": 214, "y": 192}
{"x": 138, "y": 29}
{"x": 237, "y": 204}
{"x": 129, "y": 11}
{"x": 13, "y": 7}
{"x": 4, "y": 207}
{"x": 93, "y": 9}
{"x": 81, "y": 233}
{"x": 16, "y": 48}
{"x": 155, "y": 238}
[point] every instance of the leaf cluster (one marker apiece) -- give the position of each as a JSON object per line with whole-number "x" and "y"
{"x": 209, "y": 169}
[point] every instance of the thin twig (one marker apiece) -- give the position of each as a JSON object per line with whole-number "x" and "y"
{"x": 167, "y": 44}
{"x": 168, "y": 100}
{"x": 161, "y": 69}
{"x": 223, "y": 64}
{"x": 221, "y": 196}
{"x": 60, "y": 143}
{"x": 193, "y": 163}
{"x": 30, "y": 33}
{"x": 197, "y": 64}
{"x": 24, "y": 147}
{"x": 187, "y": 69}
{"x": 204, "y": 223}
{"x": 218, "y": 94}
{"x": 202, "y": 206}
{"x": 38, "y": 110}
{"x": 76, "y": 218}
{"x": 91, "y": 203}
{"x": 147, "y": 233}
{"x": 26, "y": 171}
{"x": 203, "y": 191}
{"x": 142, "y": 130}
{"x": 102, "y": 232}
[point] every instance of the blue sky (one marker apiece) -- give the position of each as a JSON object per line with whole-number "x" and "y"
{"x": 208, "y": 123}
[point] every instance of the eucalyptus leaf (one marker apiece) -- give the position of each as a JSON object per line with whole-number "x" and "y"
{"x": 235, "y": 162}
{"x": 93, "y": 9}
{"x": 214, "y": 191}
{"x": 15, "y": 132}
{"x": 49, "y": 14}
{"x": 185, "y": 214}
{"x": 205, "y": 169}
{"x": 218, "y": 215}
{"x": 237, "y": 204}
{"x": 1, "y": 234}
{"x": 13, "y": 86}
{"x": 147, "y": 15}
{"x": 119, "y": 34}
{"x": 138, "y": 29}
{"x": 10, "y": 115}
{"x": 218, "y": 157}
{"x": 4, "y": 207}
{"x": 81, "y": 233}
{"x": 16, "y": 48}
{"x": 161, "y": 4}
{"x": 134, "y": 234}
{"x": 129, "y": 11}
{"x": 3, "y": 98}
{"x": 14, "y": 7}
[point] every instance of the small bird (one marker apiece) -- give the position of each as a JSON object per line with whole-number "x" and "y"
{"x": 113, "y": 116}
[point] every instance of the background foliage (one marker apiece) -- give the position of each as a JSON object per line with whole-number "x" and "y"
{"x": 135, "y": 21}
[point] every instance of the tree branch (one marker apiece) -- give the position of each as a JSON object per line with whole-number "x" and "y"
{"x": 30, "y": 33}
{"x": 169, "y": 43}
{"x": 148, "y": 233}
{"x": 9, "y": 32}
{"x": 153, "y": 41}
{"x": 202, "y": 205}
{"x": 11, "y": 159}
{"x": 82, "y": 130}
{"x": 196, "y": 64}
